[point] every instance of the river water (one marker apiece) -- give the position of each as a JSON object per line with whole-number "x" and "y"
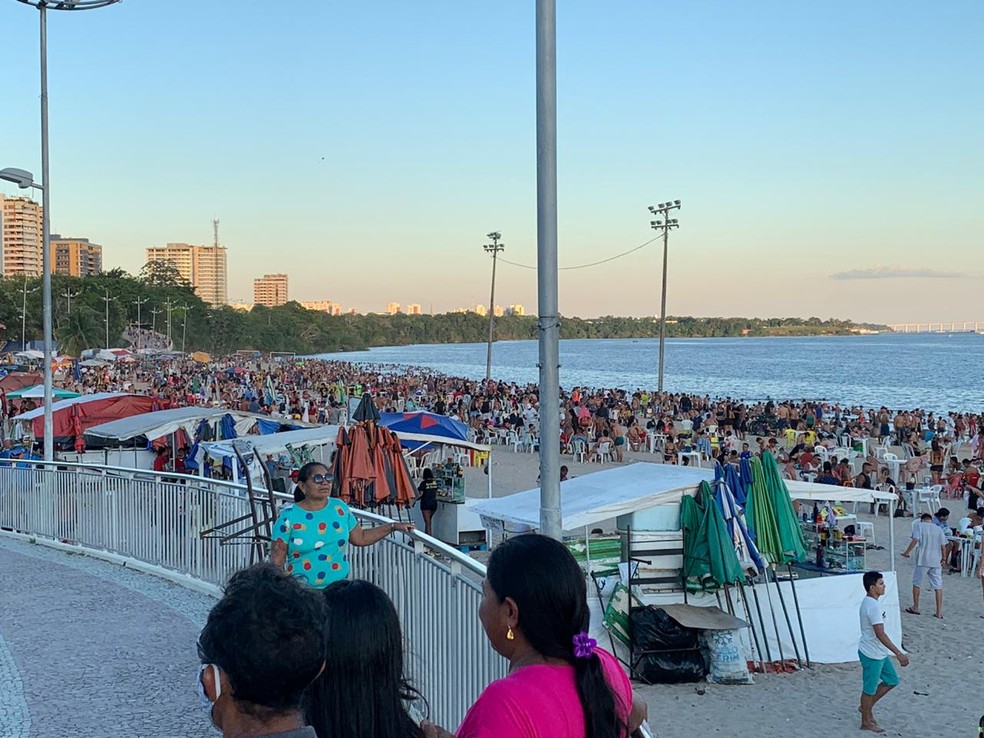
{"x": 932, "y": 371}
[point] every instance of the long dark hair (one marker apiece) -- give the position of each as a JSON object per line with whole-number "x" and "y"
{"x": 547, "y": 584}
{"x": 362, "y": 691}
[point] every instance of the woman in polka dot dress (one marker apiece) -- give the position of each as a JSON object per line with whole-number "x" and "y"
{"x": 311, "y": 538}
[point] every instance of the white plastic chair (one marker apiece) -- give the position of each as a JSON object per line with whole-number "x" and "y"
{"x": 580, "y": 450}
{"x": 867, "y": 530}
{"x": 604, "y": 452}
{"x": 929, "y": 497}
{"x": 513, "y": 440}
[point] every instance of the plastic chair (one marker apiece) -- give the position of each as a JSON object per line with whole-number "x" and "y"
{"x": 866, "y": 529}
{"x": 604, "y": 452}
{"x": 929, "y": 497}
{"x": 579, "y": 451}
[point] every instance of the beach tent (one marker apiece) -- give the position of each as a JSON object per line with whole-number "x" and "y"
{"x": 73, "y": 416}
{"x": 273, "y": 444}
{"x": 19, "y": 380}
{"x": 408, "y": 426}
{"x": 37, "y": 392}
{"x": 150, "y": 426}
{"x": 594, "y": 498}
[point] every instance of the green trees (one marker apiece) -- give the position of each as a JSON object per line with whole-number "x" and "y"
{"x": 80, "y": 313}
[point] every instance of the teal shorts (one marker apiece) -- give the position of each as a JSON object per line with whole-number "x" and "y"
{"x": 875, "y": 672}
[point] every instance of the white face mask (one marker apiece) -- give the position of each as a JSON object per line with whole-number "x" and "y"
{"x": 206, "y": 703}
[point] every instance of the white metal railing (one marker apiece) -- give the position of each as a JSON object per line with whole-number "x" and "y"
{"x": 157, "y": 520}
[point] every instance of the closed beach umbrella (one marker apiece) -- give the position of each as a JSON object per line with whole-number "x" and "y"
{"x": 709, "y": 558}
{"x": 734, "y": 518}
{"x": 770, "y": 514}
{"x": 366, "y": 411}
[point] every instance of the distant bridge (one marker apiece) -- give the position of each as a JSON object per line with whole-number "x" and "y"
{"x": 945, "y": 326}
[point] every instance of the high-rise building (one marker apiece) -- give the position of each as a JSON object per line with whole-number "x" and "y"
{"x": 270, "y": 290}
{"x": 20, "y": 237}
{"x": 498, "y": 311}
{"x": 75, "y": 257}
{"x": 322, "y": 306}
{"x": 413, "y": 309}
{"x": 481, "y": 310}
{"x": 515, "y": 310}
{"x": 393, "y": 308}
{"x": 203, "y": 267}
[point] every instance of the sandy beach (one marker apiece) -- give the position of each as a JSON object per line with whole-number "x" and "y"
{"x": 938, "y": 694}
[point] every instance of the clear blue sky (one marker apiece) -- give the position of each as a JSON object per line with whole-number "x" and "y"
{"x": 828, "y": 155}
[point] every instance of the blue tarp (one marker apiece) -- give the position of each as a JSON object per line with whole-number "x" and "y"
{"x": 430, "y": 424}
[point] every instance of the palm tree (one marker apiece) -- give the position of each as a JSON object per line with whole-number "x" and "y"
{"x": 79, "y": 329}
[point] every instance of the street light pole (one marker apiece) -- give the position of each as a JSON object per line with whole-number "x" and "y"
{"x": 138, "y": 302}
{"x": 666, "y": 224}
{"x": 24, "y": 315}
{"x": 184, "y": 325}
{"x": 492, "y": 248}
{"x": 155, "y": 312}
{"x": 42, "y": 6}
{"x": 169, "y": 305}
{"x": 548, "y": 318}
{"x": 69, "y": 295}
{"x": 107, "y": 299}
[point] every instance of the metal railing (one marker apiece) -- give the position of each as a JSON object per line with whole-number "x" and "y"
{"x": 157, "y": 520}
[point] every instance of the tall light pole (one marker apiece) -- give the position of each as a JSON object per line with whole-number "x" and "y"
{"x": 184, "y": 324}
{"x": 42, "y": 6}
{"x": 68, "y": 295}
{"x": 107, "y": 299}
{"x": 24, "y": 314}
{"x": 548, "y": 319}
{"x": 492, "y": 248}
{"x": 665, "y": 224}
{"x": 169, "y": 306}
{"x": 138, "y": 302}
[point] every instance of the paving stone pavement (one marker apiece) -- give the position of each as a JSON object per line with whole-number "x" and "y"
{"x": 89, "y": 648}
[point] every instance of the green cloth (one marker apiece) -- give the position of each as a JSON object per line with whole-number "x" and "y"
{"x": 770, "y": 515}
{"x": 709, "y": 558}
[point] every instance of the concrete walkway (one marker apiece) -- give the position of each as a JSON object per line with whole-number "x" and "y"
{"x": 94, "y": 649}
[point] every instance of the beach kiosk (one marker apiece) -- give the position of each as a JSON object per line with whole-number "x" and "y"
{"x": 642, "y": 501}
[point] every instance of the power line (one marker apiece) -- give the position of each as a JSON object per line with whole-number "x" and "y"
{"x": 585, "y": 266}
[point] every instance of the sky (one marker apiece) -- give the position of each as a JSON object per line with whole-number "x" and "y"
{"x": 829, "y": 156}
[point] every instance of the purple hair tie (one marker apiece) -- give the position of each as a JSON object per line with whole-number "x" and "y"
{"x": 584, "y": 645}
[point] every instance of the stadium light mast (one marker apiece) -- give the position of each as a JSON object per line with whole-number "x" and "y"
{"x": 664, "y": 224}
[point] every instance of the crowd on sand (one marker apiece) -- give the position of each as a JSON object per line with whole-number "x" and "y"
{"x": 296, "y": 649}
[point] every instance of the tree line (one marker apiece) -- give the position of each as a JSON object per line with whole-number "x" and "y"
{"x": 81, "y": 307}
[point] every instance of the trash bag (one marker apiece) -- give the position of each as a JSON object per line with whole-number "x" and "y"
{"x": 654, "y": 630}
{"x": 675, "y": 667}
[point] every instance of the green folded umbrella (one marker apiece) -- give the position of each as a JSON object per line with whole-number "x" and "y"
{"x": 770, "y": 515}
{"x": 709, "y": 558}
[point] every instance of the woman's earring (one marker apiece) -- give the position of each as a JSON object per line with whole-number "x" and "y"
{"x": 509, "y": 634}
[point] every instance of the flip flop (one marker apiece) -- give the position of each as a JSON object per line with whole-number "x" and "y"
{"x": 938, "y": 617}
{"x": 916, "y": 612}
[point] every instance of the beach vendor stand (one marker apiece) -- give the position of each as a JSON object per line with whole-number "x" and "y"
{"x": 442, "y": 444}
{"x": 645, "y": 498}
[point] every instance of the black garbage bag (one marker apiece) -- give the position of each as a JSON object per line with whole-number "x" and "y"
{"x": 674, "y": 667}
{"x": 654, "y": 630}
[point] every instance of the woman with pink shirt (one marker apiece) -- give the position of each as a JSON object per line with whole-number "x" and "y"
{"x": 560, "y": 684}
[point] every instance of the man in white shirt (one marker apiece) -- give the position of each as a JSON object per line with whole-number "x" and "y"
{"x": 875, "y": 649}
{"x": 930, "y": 559}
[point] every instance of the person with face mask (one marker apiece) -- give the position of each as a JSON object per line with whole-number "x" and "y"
{"x": 261, "y": 648}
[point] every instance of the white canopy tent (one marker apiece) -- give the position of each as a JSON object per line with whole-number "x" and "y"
{"x": 166, "y": 422}
{"x": 272, "y": 444}
{"x": 604, "y": 495}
